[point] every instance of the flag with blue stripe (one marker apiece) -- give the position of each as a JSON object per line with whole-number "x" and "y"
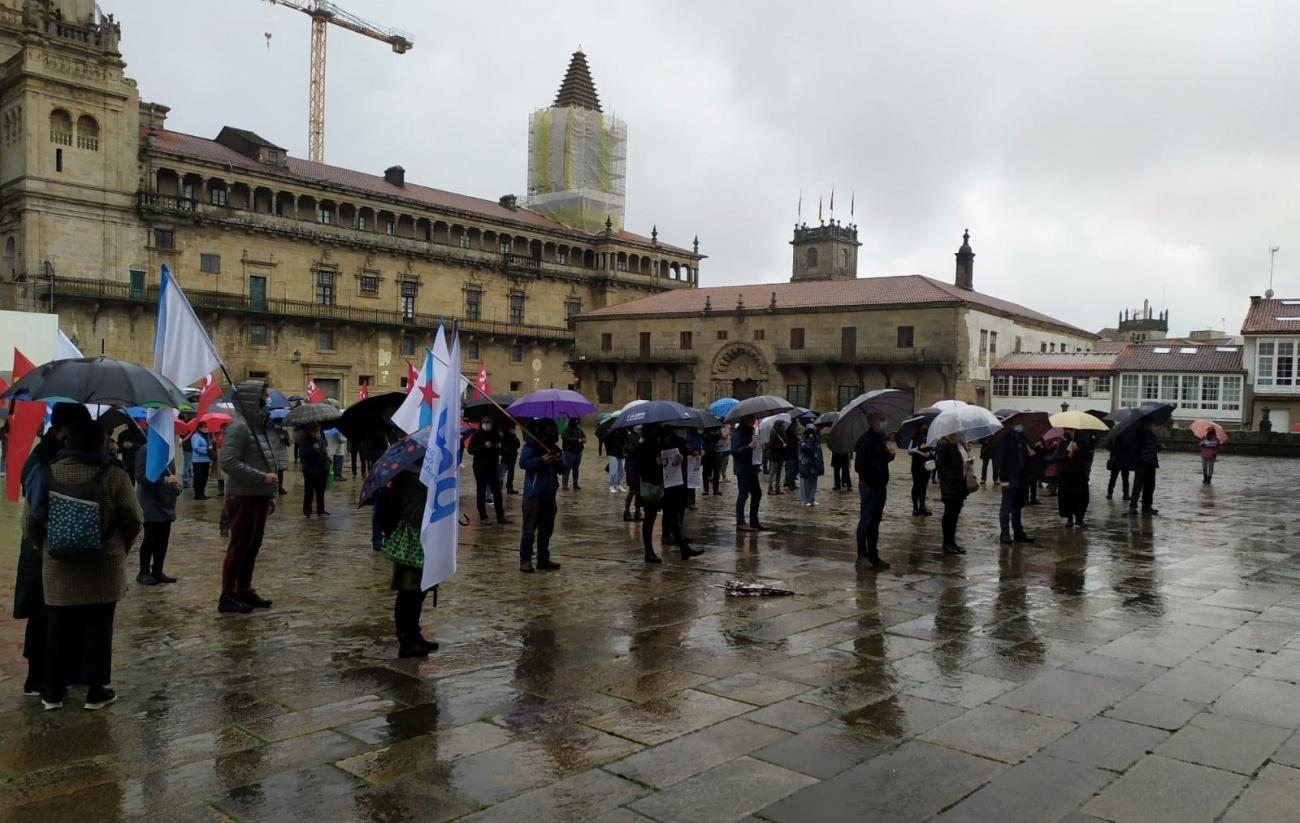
{"x": 184, "y": 354}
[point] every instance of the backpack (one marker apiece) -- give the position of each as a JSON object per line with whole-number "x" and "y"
{"x": 74, "y": 515}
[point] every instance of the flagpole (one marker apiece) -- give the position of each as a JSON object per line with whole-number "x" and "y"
{"x": 498, "y": 406}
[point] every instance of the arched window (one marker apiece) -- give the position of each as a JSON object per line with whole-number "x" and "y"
{"x": 812, "y": 258}
{"x": 9, "y": 263}
{"x": 61, "y": 127}
{"x": 844, "y": 258}
{"x": 87, "y": 133}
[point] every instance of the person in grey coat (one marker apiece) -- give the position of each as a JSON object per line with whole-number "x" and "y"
{"x": 252, "y": 478}
{"x": 158, "y": 507}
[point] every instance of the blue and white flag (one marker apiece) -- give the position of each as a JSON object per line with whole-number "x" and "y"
{"x": 184, "y": 354}
{"x": 416, "y": 411}
{"x": 440, "y": 529}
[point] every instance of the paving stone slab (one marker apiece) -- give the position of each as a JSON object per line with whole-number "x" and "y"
{"x": 1041, "y": 788}
{"x": 1160, "y": 790}
{"x": 579, "y": 798}
{"x": 1263, "y": 701}
{"x": 1224, "y": 742}
{"x": 1274, "y": 795}
{"x": 723, "y": 793}
{"x": 1107, "y": 744}
{"x": 1066, "y": 695}
{"x": 998, "y": 733}
{"x": 693, "y": 753}
{"x": 823, "y": 751}
{"x": 1156, "y": 710}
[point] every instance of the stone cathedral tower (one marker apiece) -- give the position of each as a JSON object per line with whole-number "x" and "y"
{"x": 577, "y": 155}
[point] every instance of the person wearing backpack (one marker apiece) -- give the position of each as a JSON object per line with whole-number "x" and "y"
{"x": 84, "y": 516}
{"x": 158, "y": 507}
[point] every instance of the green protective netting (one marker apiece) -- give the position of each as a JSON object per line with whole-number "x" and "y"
{"x": 576, "y": 166}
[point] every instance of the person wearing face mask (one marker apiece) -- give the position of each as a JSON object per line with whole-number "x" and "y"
{"x": 950, "y": 465}
{"x": 1013, "y": 464}
{"x": 251, "y": 483}
{"x": 871, "y": 459}
{"x": 541, "y": 460}
{"x": 485, "y": 446}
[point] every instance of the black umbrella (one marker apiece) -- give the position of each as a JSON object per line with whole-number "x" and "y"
{"x": 656, "y": 411}
{"x": 114, "y": 419}
{"x": 1003, "y": 414}
{"x": 99, "y": 381}
{"x": 373, "y": 413}
{"x": 895, "y": 405}
{"x": 911, "y": 427}
{"x": 1155, "y": 412}
{"x": 761, "y": 406}
{"x": 1103, "y": 416}
{"x": 309, "y": 413}
{"x": 700, "y": 419}
{"x": 480, "y": 407}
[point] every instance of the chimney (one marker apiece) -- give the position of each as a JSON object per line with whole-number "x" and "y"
{"x": 1254, "y": 299}
{"x": 965, "y": 264}
{"x": 395, "y": 175}
{"x": 509, "y": 201}
{"x": 153, "y": 116}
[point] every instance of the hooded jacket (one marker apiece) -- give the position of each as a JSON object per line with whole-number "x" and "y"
{"x": 247, "y": 455}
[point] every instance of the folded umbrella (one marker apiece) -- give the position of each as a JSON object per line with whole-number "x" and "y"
{"x": 1200, "y": 428}
{"x": 654, "y": 411}
{"x": 309, "y": 413}
{"x": 375, "y": 413}
{"x": 895, "y": 405}
{"x": 745, "y": 588}
{"x": 405, "y": 455}
{"x": 100, "y": 381}
{"x": 1079, "y": 421}
{"x": 719, "y": 408}
{"x": 551, "y": 403}
{"x": 967, "y": 422}
{"x": 1155, "y": 412}
{"x": 761, "y": 406}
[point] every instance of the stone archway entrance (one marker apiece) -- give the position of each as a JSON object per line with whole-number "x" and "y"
{"x": 739, "y": 370}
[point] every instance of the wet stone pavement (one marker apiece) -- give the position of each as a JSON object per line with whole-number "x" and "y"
{"x": 1142, "y": 669}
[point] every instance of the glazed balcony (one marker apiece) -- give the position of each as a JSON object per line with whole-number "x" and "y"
{"x": 67, "y": 289}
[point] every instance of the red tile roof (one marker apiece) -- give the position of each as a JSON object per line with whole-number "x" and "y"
{"x": 1177, "y": 356}
{"x": 1265, "y": 316}
{"x": 1065, "y": 362}
{"x": 907, "y": 289}
{"x": 309, "y": 173}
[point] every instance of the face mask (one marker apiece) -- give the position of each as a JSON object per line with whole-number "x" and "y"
{"x": 487, "y": 427}
{"x": 1020, "y": 429}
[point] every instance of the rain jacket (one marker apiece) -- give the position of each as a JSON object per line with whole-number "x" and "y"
{"x": 1012, "y": 459}
{"x": 247, "y": 455}
{"x": 157, "y": 500}
{"x": 743, "y": 454}
{"x": 541, "y": 479}
{"x": 871, "y": 460}
{"x": 951, "y": 468}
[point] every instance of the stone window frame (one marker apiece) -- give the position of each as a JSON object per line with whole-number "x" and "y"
{"x": 265, "y": 336}
{"x": 905, "y": 337}
{"x": 210, "y": 263}
{"x": 477, "y": 291}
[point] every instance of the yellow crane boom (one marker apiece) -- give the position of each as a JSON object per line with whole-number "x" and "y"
{"x": 322, "y": 13}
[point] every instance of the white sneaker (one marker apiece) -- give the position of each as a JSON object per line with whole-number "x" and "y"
{"x": 613, "y": 490}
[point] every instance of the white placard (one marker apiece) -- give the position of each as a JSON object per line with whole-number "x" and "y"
{"x": 694, "y": 472}
{"x": 672, "y": 473}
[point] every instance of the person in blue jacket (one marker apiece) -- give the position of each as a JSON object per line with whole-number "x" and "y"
{"x": 541, "y": 460}
{"x": 201, "y": 447}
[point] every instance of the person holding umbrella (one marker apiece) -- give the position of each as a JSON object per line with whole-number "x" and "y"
{"x": 400, "y": 510}
{"x": 871, "y": 460}
{"x": 614, "y": 442}
{"x": 1147, "y": 453}
{"x": 1012, "y": 460}
{"x": 950, "y": 466}
{"x": 252, "y": 480}
{"x": 811, "y": 466}
{"x": 748, "y": 486}
{"x": 1073, "y": 459}
{"x": 202, "y": 449}
{"x": 921, "y": 469}
{"x": 1212, "y": 437}
{"x": 485, "y": 447}
{"x": 541, "y": 460}
{"x": 314, "y": 456}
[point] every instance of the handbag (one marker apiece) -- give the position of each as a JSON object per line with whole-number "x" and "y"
{"x": 651, "y": 492}
{"x": 403, "y": 546}
{"x": 972, "y": 482}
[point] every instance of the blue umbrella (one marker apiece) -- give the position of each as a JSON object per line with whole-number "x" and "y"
{"x": 278, "y": 414}
{"x": 719, "y": 408}
{"x": 137, "y": 412}
{"x": 656, "y": 411}
{"x": 551, "y": 403}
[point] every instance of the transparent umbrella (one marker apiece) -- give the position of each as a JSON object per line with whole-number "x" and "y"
{"x": 967, "y": 422}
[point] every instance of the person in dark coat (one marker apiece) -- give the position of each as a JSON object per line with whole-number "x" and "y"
{"x": 574, "y": 441}
{"x": 921, "y": 454}
{"x": 1073, "y": 460}
{"x": 709, "y": 462}
{"x": 158, "y": 507}
{"x": 1118, "y": 466}
{"x": 509, "y": 456}
{"x": 871, "y": 459}
{"x": 1146, "y": 459}
{"x": 677, "y": 499}
{"x": 630, "y": 444}
{"x": 840, "y": 471}
{"x": 128, "y": 446}
{"x": 614, "y": 444}
{"x": 790, "y": 445}
{"x": 314, "y": 457}
{"x": 648, "y": 459}
{"x": 987, "y": 449}
{"x": 402, "y": 506}
{"x": 1037, "y": 470}
{"x": 748, "y": 486}
{"x": 811, "y": 466}
{"x": 1013, "y": 459}
{"x": 29, "y": 592}
{"x": 485, "y": 447}
{"x": 950, "y": 466}
{"x": 541, "y": 460}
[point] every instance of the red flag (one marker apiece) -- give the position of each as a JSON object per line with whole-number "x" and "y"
{"x": 314, "y": 394}
{"x": 208, "y": 394}
{"x": 482, "y": 383}
{"x": 364, "y": 391}
{"x": 25, "y": 426}
{"x": 21, "y": 365}
{"x": 412, "y": 377}
{"x": 4, "y": 387}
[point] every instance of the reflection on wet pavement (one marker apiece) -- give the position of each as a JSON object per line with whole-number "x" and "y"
{"x": 1138, "y": 669}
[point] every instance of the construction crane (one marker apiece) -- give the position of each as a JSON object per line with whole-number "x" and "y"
{"x": 323, "y": 12}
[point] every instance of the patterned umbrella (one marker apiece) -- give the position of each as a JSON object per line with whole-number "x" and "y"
{"x": 309, "y": 413}
{"x": 719, "y": 408}
{"x": 406, "y": 454}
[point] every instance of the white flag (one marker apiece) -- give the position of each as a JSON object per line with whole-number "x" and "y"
{"x": 183, "y": 353}
{"x": 440, "y": 529}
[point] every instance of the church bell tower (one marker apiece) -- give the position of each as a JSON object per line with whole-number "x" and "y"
{"x": 825, "y": 252}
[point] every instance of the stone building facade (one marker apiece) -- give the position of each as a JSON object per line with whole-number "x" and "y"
{"x": 816, "y": 341}
{"x": 299, "y": 270}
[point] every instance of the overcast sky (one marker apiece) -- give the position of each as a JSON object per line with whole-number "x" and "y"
{"x": 1100, "y": 153}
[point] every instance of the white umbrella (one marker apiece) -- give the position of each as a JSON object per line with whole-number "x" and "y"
{"x": 631, "y": 405}
{"x": 765, "y": 427}
{"x": 895, "y": 405}
{"x": 967, "y": 422}
{"x": 944, "y": 405}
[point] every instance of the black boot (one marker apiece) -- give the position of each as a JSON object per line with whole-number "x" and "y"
{"x": 651, "y": 557}
{"x": 1005, "y": 538}
{"x": 411, "y": 647}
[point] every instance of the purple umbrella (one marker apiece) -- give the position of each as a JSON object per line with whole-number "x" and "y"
{"x": 551, "y": 403}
